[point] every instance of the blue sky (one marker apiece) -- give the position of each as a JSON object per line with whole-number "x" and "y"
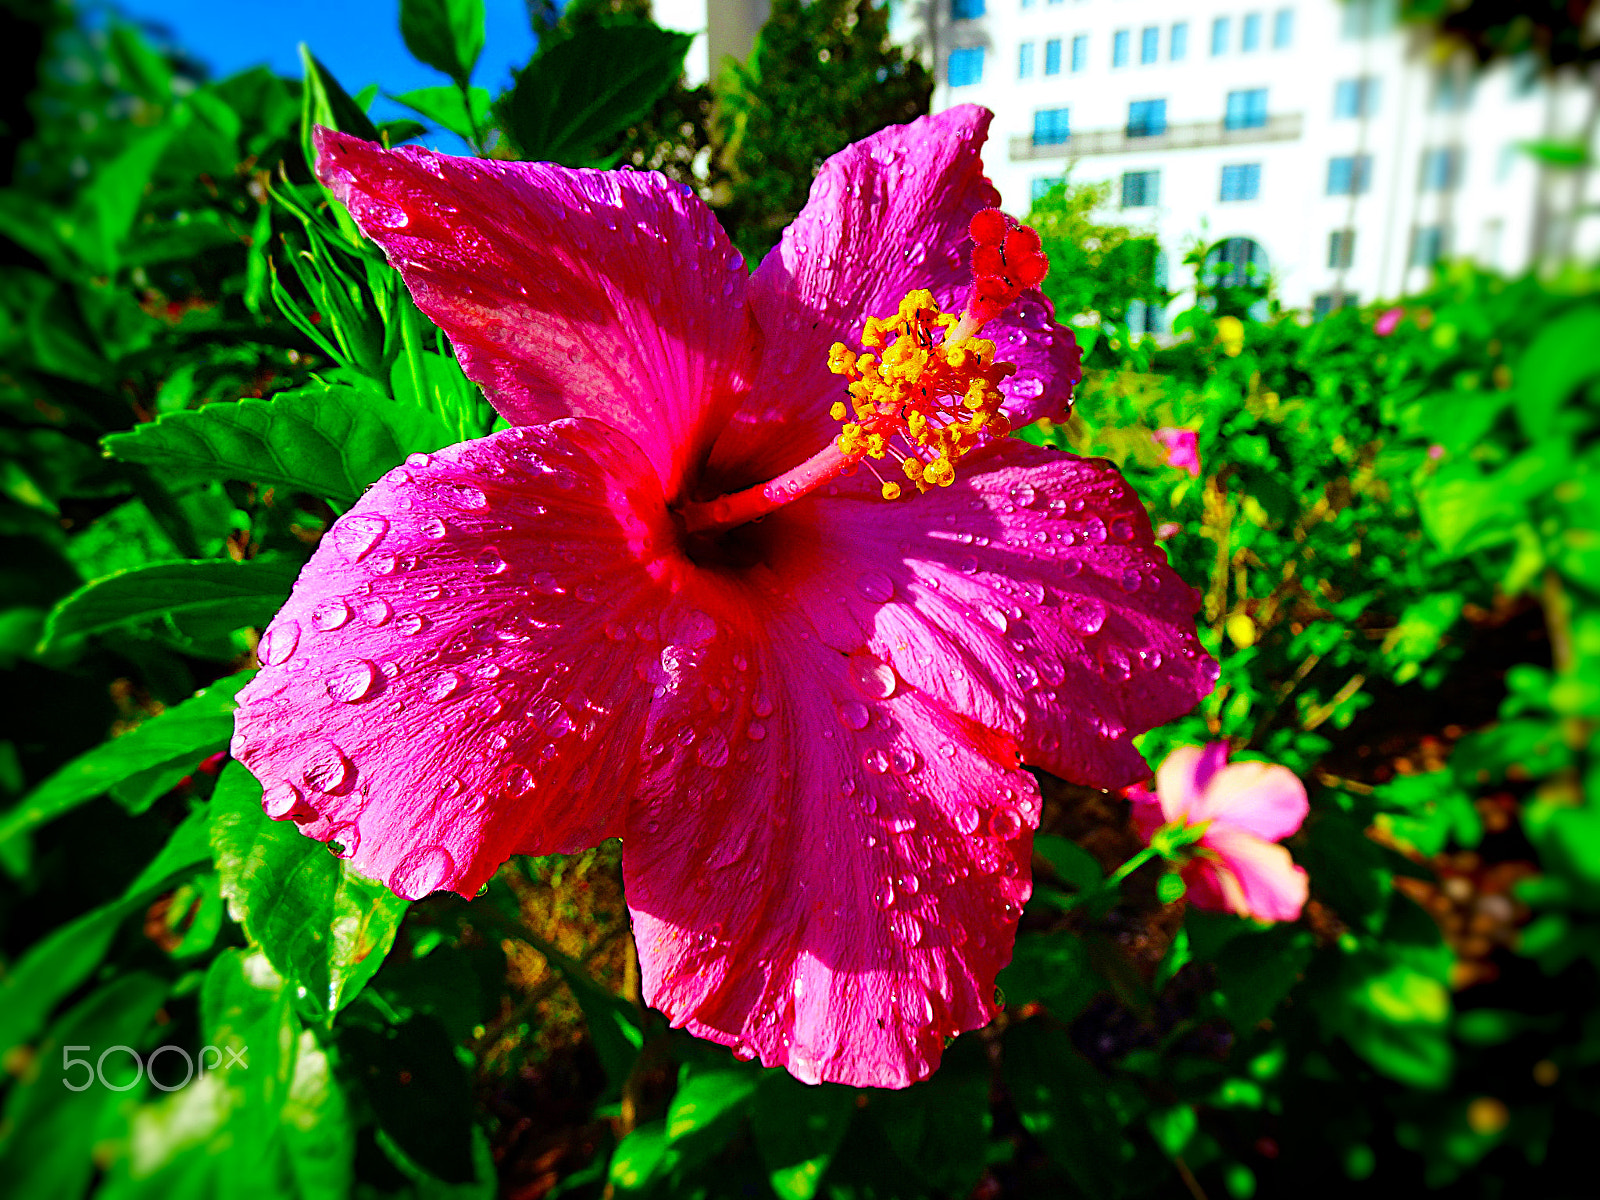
{"x": 358, "y": 40}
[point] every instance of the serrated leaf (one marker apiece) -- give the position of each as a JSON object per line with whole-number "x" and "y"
{"x": 330, "y": 440}
{"x": 185, "y": 732}
{"x": 579, "y": 93}
{"x": 447, "y": 107}
{"x": 322, "y": 926}
{"x": 445, "y": 34}
{"x": 246, "y": 593}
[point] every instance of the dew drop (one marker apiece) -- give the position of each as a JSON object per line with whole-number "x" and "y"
{"x": 376, "y": 611}
{"x": 876, "y": 678}
{"x": 966, "y": 819}
{"x": 1022, "y": 494}
{"x": 755, "y": 731}
{"x": 761, "y": 705}
{"x": 283, "y": 800}
{"x": 875, "y": 586}
{"x": 333, "y": 614}
{"x": 1130, "y": 580}
{"x": 907, "y": 928}
{"x": 544, "y": 583}
{"x": 516, "y": 780}
{"x": 344, "y": 841}
{"x": 411, "y": 624}
{"x": 713, "y": 750}
{"x": 433, "y": 527}
{"x": 422, "y": 872}
{"x": 1005, "y": 824}
{"x": 354, "y": 679}
{"x": 1122, "y": 530}
{"x": 876, "y": 761}
{"x": 903, "y": 760}
{"x": 854, "y": 714}
{"x": 443, "y": 685}
{"x": 464, "y": 495}
{"x": 354, "y": 537}
{"x": 1094, "y": 530}
{"x": 327, "y": 770}
{"x": 278, "y": 643}
{"x": 488, "y": 562}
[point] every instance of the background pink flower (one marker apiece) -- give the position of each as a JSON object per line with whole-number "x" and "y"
{"x": 1182, "y": 447}
{"x": 808, "y": 730}
{"x": 1245, "y": 808}
{"x": 1388, "y": 321}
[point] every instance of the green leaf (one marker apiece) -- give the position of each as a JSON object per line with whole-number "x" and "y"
{"x": 51, "y": 1130}
{"x": 330, "y": 440}
{"x": 708, "y": 1106}
{"x": 447, "y": 107}
{"x": 445, "y": 34}
{"x": 1396, "y": 1018}
{"x": 939, "y": 1128}
{"x": 580, "y": 93}
{"x": 1564, "y": 355}
{"x": 322, "y": 926}
{"x": 231, "y": 593}
{"x": 1071, "y": 862}
{"x": 185, "y": 733}
{"x": 1061, "y": 1099}
{"x": 798, "y": 1129}
{"x": 107, "y": 207}
{"x": 1051, "y": 969}
{"x": 641, "y": 1158}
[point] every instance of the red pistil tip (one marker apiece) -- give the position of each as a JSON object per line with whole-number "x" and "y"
{"x": 1006, "y": 258}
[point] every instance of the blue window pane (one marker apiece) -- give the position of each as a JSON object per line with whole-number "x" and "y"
{"x": 1250, "y": 33}
{"x": 1283, "y": 29}
{"x": 1080, "y": 52}
{"x": 1180, "y": 41}
{"x": 1349, "y": 174}
{"x": 1246, "y": 110}
{"x": 1050, "y": 127}
{"x": 1219, "y": 36}
{"x": 1042, "y": 185}
{"x": 965, "y": 10}
{"x": 1147, "y": 118}
{"x": 1025, "y": 61}
{"x": 1149, "y": 45}
{"x": 1119, "y": 48}
{"x": 1241, "y": 181}
{"x": 1441, "y": 169}
{"x": 1141, "y": 189}
{"x": 1427, "y": 245}
{"x": 965, "y": 66}
{"x": 1052, "y": 57}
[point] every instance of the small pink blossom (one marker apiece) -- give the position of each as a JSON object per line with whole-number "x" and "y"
{"x": 1436, "y": 451}
{"x": 1182, "y": 447}
{"x": 1244, "y": 808}
{"x": 1388, "y": 321}
{"x": 808, "y": 730}
{"x": 1167, "y": 529}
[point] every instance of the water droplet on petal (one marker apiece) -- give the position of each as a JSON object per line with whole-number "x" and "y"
{"x": 713, "y": 750}
{"x": 332, "y": 614}
{"x": 875, "y": 586}
{"x": 411, "y": 624}
{"x": 327, "y": 770}
{"x": 907, "y": 928}
{"x": 1005, "y": 824}
{"x": 282, "y": 800}
{"x": 422, "y": 872}
{"x": 966, "y": 819}
{"x": 354, "y": 537}
{"x": 464, "y": 495}
{"x": 544, "y": 583}
{"x": 489, "y": 562}
{"x": 344, "y": 840}
{"x": 376, "y": 611}
{"x": 761, "y": 705}
{"x": 1022, "y": 494}
{"x": 1094, "y": 530}
{"x": 876, "y": 761}
{"x": 443, "y": 685}
{"x": 1122, "y": 530}
{"x": 354, "y": 679}
{"x": 755, "y": 731}
{"x": 433, "y": 527}
{"x": 696, "y": 628}
{"x": 516, "y": 780}
{"x": 854, "y": 714}
{"x": 876, "y": 678}
{"x": 903, "y": 760}
{"x": 278, "y": 643}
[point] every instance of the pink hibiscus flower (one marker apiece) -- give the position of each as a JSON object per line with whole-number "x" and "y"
{"x": 1244, "y": 809}
{"x": 808, "y": 729}
{"x": 1182, "y": 447}
{"x": 1388, "y": 321}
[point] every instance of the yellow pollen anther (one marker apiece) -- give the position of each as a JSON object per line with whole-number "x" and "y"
{"x": 941, "y": 400}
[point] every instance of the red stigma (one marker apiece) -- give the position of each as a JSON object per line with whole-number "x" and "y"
{"x": 1006, "y": 258}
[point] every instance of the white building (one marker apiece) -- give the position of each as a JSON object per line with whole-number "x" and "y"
{"x": 1315, "y": 137}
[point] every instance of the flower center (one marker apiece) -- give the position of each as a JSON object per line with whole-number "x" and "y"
{"x": 926, "y": 389}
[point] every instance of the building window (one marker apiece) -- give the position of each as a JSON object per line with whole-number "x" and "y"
{"x": 964, "y": 67}
{"x": 1235, "y": 262}
{"x": 1241, "y": 181}
{"x": 1428, "y": 245}
{"x": 1349, "y": 174}
{"x": 1246, "y": 110}
{"x": 1044, "y": 184}
{"x": 1025, "y": 61}
{"x": 1080, "y": 52}
{"x": 1524, "y": 74}
{"x": 1179, "y": 45}
{"x": 1250, "y": 32}
{"x": 1341, "y": 249}
{"x": 1149, "y": 45}
{"x": 1052, "y": 57}
{"x": 1050, "y": 127}
{"x": 1356, "y": 97}
{"x": 1364, "y": 18}
{"x": 1219, "y": 36}
{"x": 1327, "y": 302}
{"x": 966, "y": 10}
{"x": 1027, "y": 3}
{"x": 1441, "y": 169}
{"x": 1282, "y": 28}
{"x": 1141, "y": 189}
{"x": 1452, "y": 90}
{"x": 1119, "y": 48}
{"x": 1147, "y": 118}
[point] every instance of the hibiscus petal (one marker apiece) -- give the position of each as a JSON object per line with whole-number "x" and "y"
{"x": 1268, "y": 885}
{"x": 453, "y": 679}
{"x": 607, "y": 294}
{"x": 824, "y": 874}
{"x": 1183, "y": 777}
{"x": 1029, "y": 596}
{"x": 886, "y": 215}
{"x": 1255, "y": 797}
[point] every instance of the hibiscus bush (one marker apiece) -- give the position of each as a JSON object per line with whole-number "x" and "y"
{"x": 1390, "y": 517}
